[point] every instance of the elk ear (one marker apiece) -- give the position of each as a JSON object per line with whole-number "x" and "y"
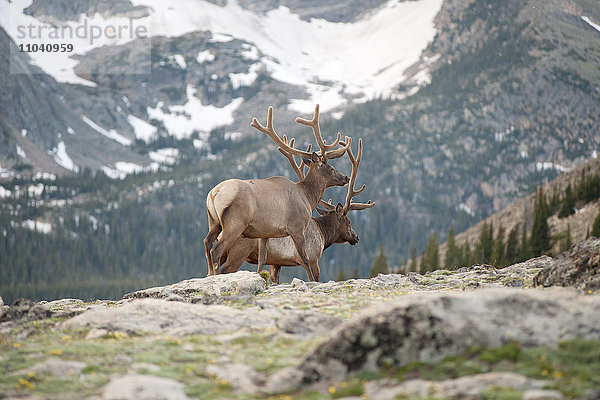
{"x": 339, "y": 208}
{"x": 307, "y": 161}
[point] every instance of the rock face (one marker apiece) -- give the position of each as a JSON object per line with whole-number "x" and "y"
{"x": 578, "y": 268}
{"x": 430, "y": 326}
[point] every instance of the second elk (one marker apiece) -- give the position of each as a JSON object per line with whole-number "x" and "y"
{"x": 332, "y": 227}
{"x": 273, "y": 207}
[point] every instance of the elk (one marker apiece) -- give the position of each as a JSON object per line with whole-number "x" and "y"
{"x": 272, "y": 207}
{"x": 332, "y": 227}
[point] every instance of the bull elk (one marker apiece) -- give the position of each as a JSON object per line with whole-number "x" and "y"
{"x": 332, "y": 227}
{"x": 272, "y": 207}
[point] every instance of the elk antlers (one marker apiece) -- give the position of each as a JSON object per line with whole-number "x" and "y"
{"x": 327, "y": 152}
{"x": 349, "y": 205}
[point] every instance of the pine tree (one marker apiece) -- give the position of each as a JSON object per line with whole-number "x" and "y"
{"x": 566, "y": 242}
{"x": 466, "y": 255}
{"x": 596, "y": 226}
{"x": 540, "y": 232}
{"x": 498, "y": 255}
{"x": 568, "y": 204}
{"x": 341, "y": 276}
{"x": 413, "y": 260}
{"x": 355, "y": 274}
{"x": 512, "y": 246}
{"x": 524, "y": 251}
{"x": 380, "y": 265}
{"x": 452, "y": 253}
{"x": 423, "y": 267}
{"x": 433, "y": 253}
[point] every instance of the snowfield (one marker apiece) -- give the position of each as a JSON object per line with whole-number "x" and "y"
{"x": 366, "y": 58}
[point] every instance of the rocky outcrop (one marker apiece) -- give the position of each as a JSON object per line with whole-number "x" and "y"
{"x": 427, "y": 327}
{"x": 242, "y": 283}
{"x": 172, "y": 318}
{"x": 578, "y": 268}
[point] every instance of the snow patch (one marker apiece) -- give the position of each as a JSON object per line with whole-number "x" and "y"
{"x": 167, "y": 155}
{"x": 44, "y": 175}
{"x": 23, "y": 132}
{"x": 544, "y": 166}
{"x": 111, "y": 134}
{"x": 220, "y": 38}
{"x": 466, "y": 208}
{"x": 182, "y": 120}
{"x": 245, "y": 79}
{"x": 590, "y": 23}
{"x": 4, "y": 193}
{"x": 61, "y": 157}
{"x": 251, "y": 52}
{"x": 143, "y": 130}
{"x": 122, "y": 169}
{"x": 594, "y": 154}
{"x": 174, "y": 59}
{"x": 21, "y": 152}
{"x": 38, "y": 226}
{"x": 205, "y": 56}
{"x": 35, "y": 190}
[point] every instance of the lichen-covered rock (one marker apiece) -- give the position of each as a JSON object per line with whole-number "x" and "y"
{"x": 23, "y": 309}
{"x": 578, "y": 268}
{"x": 241, "y": 283}
{"x": 430, "y": 326}
{"x": 143, "y": 387}
{"x": 173, "y": 318}
{"x": 466, "y": 387}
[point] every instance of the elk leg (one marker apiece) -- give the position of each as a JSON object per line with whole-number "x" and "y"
{"x": 300, "y": 243}
{"x": 262, "y": 254}
{"x": 236, "y": 255}
{"x": 316, "y": 271}
{"x": 275, "y": 272}
{"x": 213, "y": 233}
{"x": 231, "y": 232}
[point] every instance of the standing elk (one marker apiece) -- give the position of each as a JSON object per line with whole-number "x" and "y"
{"x": 332, "y": 227}
{"x": 272, "y": 207}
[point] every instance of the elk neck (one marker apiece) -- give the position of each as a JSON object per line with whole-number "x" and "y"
{"x": 313, "y": 187}
{"x": 329, "y": 228}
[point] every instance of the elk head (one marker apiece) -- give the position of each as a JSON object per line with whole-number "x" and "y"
{"x": 338, "y": 215}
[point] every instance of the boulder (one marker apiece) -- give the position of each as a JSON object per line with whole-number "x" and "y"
{"x": 241, "y": 283}
{"x": 143, "y": 387}
{"x": 172, "y": 318}
{"x": 578, "y": 268}
{"x": 429, "y": 326}
{"x": 466, "y": 387}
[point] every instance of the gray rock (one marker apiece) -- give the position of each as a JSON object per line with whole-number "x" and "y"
{"x": 24, "y": 309}
{"x": 173, "y": 318}
{"x": 143, "y": 387}
{"x": 538, "y": 394}
{"x": 299, "y": 284}
{"x": 240, "y": 376}
{"x": 430, "y": 326}
{"x": 241, "y": 283}
{"x": 307, "y": 322}
{"x": 1, "y": 307}
{"x": 55, "y": 367}
{"x": 578, "y": 267}
{"x": 466, "y": 387}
